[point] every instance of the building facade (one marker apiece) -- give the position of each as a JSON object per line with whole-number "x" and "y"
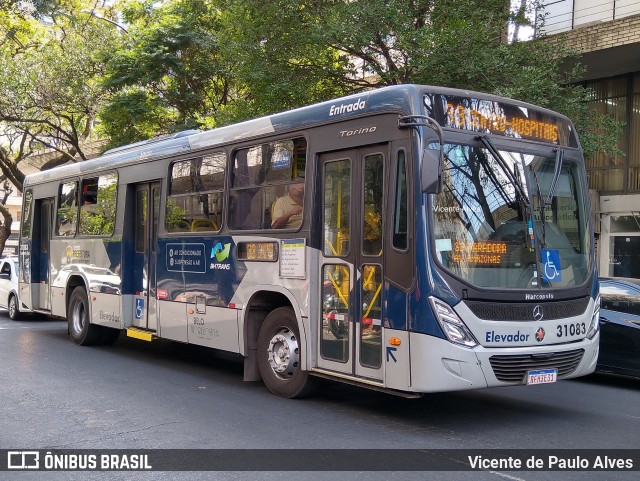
{"x": 607, "y": 34}
{"x": 14, "y": 205}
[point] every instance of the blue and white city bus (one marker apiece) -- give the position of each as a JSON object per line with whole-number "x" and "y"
{"x": 410, "y": 239}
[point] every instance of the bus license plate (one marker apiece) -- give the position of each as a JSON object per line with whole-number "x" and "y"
{"x": 543, "y": 376}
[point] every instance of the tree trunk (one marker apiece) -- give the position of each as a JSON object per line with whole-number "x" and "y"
{"x": 5, "y": 229}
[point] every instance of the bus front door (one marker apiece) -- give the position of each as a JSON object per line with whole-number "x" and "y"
{"x": 350, "y": 328}
{"x": 147, "y": 199}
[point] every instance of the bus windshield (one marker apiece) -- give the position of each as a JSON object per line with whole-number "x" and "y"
{"x": 512, "y": 220}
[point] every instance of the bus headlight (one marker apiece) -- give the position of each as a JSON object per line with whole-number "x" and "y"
{"x": 451, "y": 324}
{"x": 595, "y": 319}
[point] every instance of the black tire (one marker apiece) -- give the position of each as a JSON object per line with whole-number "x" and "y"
{"x": 13, "y": 307}
{"x": 279, "y": 354}
{"x": 81, "y": 330}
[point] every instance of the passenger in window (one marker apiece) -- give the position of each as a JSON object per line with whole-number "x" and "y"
{"x": 287, "y": 210}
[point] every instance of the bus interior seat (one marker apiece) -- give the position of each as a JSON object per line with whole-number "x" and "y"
{"x": 181, "y": 226}
{"x": 203, "y": 225}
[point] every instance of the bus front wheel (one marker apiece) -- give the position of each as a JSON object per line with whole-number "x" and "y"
{"x": 279, "y": 355}
{"x": 81, "y": 330}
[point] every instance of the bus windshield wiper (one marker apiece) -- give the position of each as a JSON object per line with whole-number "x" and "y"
{"x": 556, "y": 176}
{"x": 542, "y": 208}
{"x": 511, "y": 176}
{"x": 552, "y": 188}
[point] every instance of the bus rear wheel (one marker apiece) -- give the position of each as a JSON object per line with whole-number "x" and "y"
{"x": 81, "y": 330}
{"x": 279, "y": 355}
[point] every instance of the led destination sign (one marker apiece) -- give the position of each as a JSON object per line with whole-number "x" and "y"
{"x": 499, "y": 118}
{"x": 480, "y": 253}
{"x": 469, "y": 119}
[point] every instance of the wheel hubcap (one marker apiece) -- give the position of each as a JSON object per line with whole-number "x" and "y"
{"x": 12, "y": 307}
{"x": 77, "y": 316}
{"x": 283, "y": 353}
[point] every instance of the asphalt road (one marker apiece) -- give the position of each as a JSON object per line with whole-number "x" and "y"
{"x": 56, "y": 395}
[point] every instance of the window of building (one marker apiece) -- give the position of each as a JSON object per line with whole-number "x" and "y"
{"x": 609, "y": 96}
{"x": 618, "y": 97}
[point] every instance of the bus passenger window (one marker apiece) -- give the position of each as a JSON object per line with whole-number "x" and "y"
{"x": 195, "y": 196}
{"x": 67, "y": 215}
{"x": 98, "y": 205}
{"x": 267, "y": 186}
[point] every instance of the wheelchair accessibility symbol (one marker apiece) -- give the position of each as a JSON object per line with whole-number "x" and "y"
{"x": 139, "y": 308}
{"x": 551, "y": 269}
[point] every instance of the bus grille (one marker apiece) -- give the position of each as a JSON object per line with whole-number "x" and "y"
{"x": 515, "y": 368}
{"x": 523, "y": 311}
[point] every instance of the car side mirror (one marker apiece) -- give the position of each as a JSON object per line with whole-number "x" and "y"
{"x": 431, "y": 171}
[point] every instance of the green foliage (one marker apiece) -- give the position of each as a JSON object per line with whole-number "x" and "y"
{"x": 170, "y": 62}
{"x": 133, "y": 114}
{"x": 50, "y": 74}
{"x": 174, "y": 214}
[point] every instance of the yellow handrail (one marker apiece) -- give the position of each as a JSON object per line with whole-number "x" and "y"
{"x": 373, "y": 301}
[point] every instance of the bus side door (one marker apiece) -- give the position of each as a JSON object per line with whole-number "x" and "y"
{"x": 351, "y": 292}
{"x": 147, "y": 201}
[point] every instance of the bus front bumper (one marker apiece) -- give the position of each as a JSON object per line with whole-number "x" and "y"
{"x": 437, "y": 365}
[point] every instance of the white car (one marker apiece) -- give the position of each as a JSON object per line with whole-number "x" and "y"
{"x": 9, "y": 286}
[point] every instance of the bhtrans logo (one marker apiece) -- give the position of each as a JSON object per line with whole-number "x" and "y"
{"x": 220, "y": 253}
{"x": 347, "y": 108}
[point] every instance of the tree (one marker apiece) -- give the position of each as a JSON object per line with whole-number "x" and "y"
{"x": 50, "y": 67}
{"x": 168, "y": 75}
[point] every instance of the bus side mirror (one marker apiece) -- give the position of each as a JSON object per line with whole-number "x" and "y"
{"x": 431, "y": 171}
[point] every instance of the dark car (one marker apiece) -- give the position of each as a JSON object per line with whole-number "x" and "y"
{"x": 620, "y": 326}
